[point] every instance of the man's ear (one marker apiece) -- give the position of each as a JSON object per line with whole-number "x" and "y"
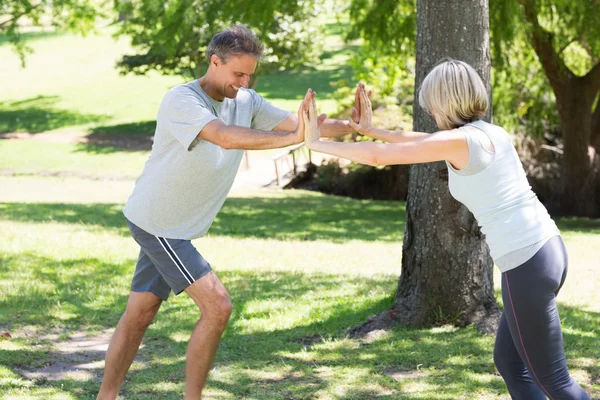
{"x": 215, "y": 60}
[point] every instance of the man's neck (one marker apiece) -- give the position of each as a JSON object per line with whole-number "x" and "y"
{"x": 206, "y": 85}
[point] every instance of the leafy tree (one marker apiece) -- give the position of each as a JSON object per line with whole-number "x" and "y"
{"x": 546, "y": 76}
{"x": 172, "y": 37}
{"x": 565, "y": 36}
{"x": 76, "y": 15}
{"x": 446, "y": 268}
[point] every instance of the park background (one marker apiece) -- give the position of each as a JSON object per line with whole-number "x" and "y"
{"x": 302, "y": 266}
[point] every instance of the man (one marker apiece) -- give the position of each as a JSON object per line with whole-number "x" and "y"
{"x": 202, "y": 129}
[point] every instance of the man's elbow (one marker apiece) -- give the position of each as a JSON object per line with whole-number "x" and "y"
{"x": 226, "y": 144}
{"x": 221, "y": 138}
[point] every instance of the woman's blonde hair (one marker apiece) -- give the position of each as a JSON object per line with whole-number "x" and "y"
{"x": 455, "y": 93}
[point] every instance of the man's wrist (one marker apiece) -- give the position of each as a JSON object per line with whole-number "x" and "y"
{"x": 297, "y": 138}
{"x": 347, "y": 128}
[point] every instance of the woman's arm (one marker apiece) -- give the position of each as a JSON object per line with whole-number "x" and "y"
{"x": 364, "y": 126}
{"x": 445, "y": 145}
{"x": 393, "y": 136}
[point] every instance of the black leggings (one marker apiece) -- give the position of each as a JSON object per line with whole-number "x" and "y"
{"x": 529, "y": 346}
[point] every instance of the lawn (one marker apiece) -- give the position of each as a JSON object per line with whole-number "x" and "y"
{"x": 70, "y": 84}
{"x": 301, "y": 268}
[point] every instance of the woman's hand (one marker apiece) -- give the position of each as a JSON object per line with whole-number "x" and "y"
{"x": 362, "y": 113}
{"x": 312, "y": 133}
{"x": 310, "y": 121}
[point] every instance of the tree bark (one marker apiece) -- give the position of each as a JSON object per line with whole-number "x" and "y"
{"x": 595, "y": 128}
{"x": 447, "y": 272}
{"x": 579, "y": 192}
{"x": 580, "y": 178}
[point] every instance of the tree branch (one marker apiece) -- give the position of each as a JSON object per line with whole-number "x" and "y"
{"x": 592, "y": 79}
{"x": 584, "y": 43}
{"x": 556, "y": 70}
{"x": 567, "y": 45}
{"x": 10, "y": 21}
{"x": 14, "y": 19}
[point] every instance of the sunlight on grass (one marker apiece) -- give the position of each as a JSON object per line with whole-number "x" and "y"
{"x": 47, "y": 158}
{"x": 294, "y": 296}
{"x": 79, "y": 89}
{"x": 301, "y": 267}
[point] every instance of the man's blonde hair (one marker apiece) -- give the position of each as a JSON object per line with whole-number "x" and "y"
{"x": 455, "y": 93}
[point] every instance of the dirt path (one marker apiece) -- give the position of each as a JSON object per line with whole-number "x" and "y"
{"x": 79, "y": 357}
{"x": 260, "y": 174}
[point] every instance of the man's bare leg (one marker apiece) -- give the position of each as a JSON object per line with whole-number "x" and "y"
{"x": 212, "y": 299}
{"x": 125, "y": 341}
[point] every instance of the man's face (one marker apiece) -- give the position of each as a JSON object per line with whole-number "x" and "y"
{"x": 233, "y": 74}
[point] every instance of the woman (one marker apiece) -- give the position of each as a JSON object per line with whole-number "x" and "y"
{"x": 486, "y": 175}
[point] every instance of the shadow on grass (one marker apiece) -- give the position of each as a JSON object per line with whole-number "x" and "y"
{"x": 134, "y": 128}
{"x": 303, "y": 361}
{"x": 299, "y": 217}
{"x": 106, "y": 216}
{"x": 32, "y": 36}
{"x": 574, "y": 224}
{"x": 39, "y": 114}
{"x": 294, "y": 217}
{"x": 136, "y": 136}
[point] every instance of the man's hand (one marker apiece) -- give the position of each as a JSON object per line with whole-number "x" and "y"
{"x": 362, "y": 111}
{"x": 299, "y": 132}
{"x": 308, "y": 122}
{"x": 312, "y": 132}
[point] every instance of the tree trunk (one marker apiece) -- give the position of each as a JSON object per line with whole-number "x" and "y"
{"x": 446, "y": 267}
{"x": 581, "y": 177}
{"x": 595, "y": 128}
{"x": 579, "y": 191}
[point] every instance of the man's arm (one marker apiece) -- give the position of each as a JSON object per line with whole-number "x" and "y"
{"x": 237, "y": 137}
{"x": 329, "y": 127}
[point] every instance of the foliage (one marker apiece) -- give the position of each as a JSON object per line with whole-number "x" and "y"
{"x": 172, "y": 37}
{"x": 385, "y": 59}
{"x": 75, "y": 15}
{"x": 522, "y": 98}
{"x": 522, "y": 93}
{"x": 360, "y": 181}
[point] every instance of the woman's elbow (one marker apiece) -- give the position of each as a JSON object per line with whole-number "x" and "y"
{"x": 373, "y": 160}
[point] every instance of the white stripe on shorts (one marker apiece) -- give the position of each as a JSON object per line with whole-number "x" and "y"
{"x": 177, "y": 262}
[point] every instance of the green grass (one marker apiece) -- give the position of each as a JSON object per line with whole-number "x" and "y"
{"x": 43, "y": 157}
{"x": 301, "y": 268}
{"x": 70, "y": 84}
{"x": 80, "y": 87}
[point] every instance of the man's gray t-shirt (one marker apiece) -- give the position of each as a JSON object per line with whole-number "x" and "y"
{"x": 185, "y": 180}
